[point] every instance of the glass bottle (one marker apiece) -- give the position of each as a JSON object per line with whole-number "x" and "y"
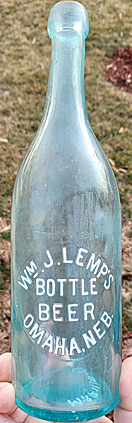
{"x": 66, "y": 249}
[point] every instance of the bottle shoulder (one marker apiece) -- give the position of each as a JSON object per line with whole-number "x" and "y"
{"x": 68, "y": 157}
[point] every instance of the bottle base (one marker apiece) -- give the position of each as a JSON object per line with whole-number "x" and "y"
{"x": 68, "y": 416}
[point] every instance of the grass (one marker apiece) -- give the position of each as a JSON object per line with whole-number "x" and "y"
{"x": 4, "y": 275}
{"x": 127, "y": 316}
{"x": 25, "y": 59}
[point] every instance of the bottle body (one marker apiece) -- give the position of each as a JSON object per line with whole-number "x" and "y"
{"x": 66, "y": 271}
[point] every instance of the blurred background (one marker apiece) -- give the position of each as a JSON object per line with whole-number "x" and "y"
{"x": 25, "y": 50}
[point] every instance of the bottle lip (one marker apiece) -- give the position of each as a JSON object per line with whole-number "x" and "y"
{"x": 68, "y": 15}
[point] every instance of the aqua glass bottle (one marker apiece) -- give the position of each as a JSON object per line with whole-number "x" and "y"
{"x": 66, "y": 249}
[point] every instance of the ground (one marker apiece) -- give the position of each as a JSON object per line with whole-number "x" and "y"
{"x": 119, "y": 69}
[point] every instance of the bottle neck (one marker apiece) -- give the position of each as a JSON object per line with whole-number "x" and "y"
{"x": 65, "y": 94}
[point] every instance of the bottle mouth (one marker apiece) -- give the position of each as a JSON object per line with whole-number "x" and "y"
{"x": 68, "y": 15}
